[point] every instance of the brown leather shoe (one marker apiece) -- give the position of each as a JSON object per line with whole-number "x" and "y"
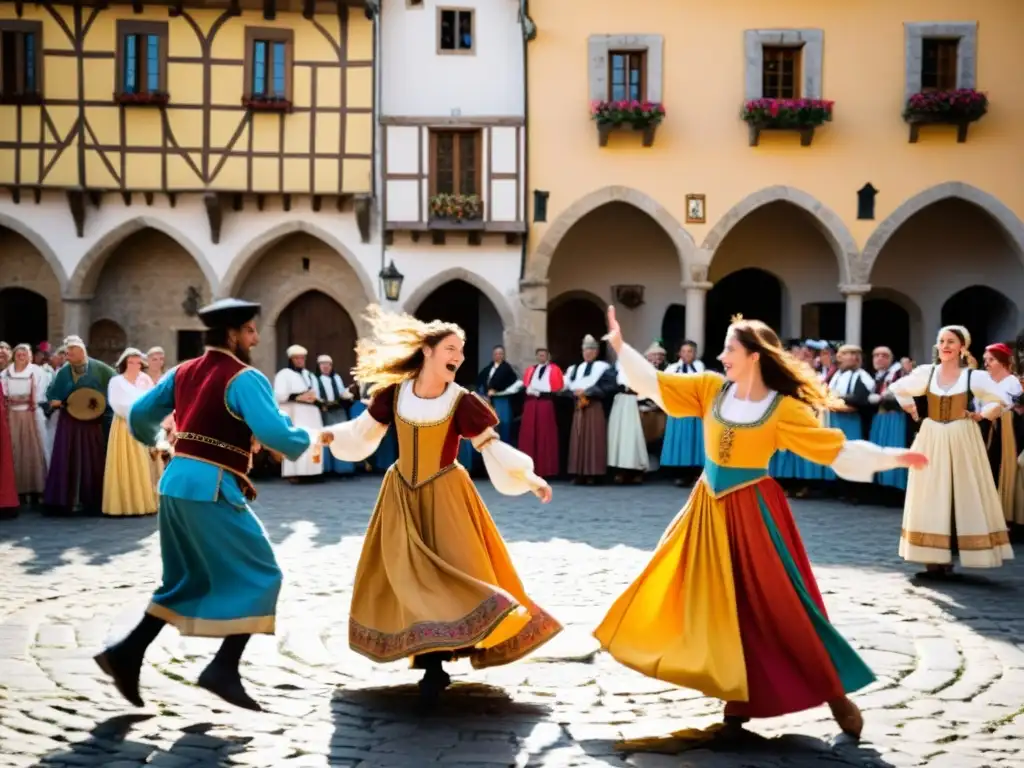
{"x": 847, "y": 716}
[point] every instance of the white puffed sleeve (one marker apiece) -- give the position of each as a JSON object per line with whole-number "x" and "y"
{"x": 914, "y": 384}
{"x": 996, "y": 397}
{"x": 639, "y": 375}
{"x": 121, "y": 395}
{"x": 356, "y": 439}
{"x": 859, "y": 460}
{"x": 511, "y": 471}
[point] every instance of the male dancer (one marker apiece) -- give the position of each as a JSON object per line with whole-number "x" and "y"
{"x": 220, "y": 577}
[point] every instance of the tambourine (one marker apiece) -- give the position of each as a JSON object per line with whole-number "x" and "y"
{"x": 86, "y": 404}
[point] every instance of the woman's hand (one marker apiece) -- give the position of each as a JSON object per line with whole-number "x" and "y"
{"x": 976, "y": 416}
{"x": 913, "y": 460}
{"x": 543, "y": 493}
{"x": 326, "y": 437}
{"x": 614, "y": 335}
{"x": 911, "y": 410}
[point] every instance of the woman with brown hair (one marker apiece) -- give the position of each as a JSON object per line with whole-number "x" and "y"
{"x": 1003, "y": 437}
{"x": 728, "y": 604}
{"x": 953, "y": 507}
{"x": 24, "y": 384}
{"x": 434, "y": 581}
{"x": 129, "y": 484}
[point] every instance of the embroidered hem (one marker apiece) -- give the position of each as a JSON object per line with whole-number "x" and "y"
{"x": 976, "y": 542}
{"x": 541, "y": 628}
{"x": 428, "y": 636}
{"x": 190, "y": 626}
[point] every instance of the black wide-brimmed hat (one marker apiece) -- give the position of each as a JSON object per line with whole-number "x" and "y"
{"x": 228, "y": 313}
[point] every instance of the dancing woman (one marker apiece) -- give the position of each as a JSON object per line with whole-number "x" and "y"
{"x": 434, "y": 581}
{"x": 953, "y": 507}
{"x": 728, "y": 604}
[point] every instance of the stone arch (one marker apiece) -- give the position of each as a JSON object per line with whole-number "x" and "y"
{"x": 304, "y": 283}
{"x": 827, "y": 221}
{"x": 83, "y": 279}
{"x": 566, "y": 296}
{"x": 1007, "y": 220}
{"x": 40, "y": 244}
{"x": 431, "y": 284}
{"x": 540, "y": 261}
{"x": 252, "y": 251}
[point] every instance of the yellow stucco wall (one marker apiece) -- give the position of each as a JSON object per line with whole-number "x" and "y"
{"x": 326, "y": 148}
{"x": 702, "y": 146}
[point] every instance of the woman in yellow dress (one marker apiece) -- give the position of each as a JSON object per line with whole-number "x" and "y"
{"x": 728, "y": 604}
{"x": 128, "y": 487}
{"x": 434, "y": 581}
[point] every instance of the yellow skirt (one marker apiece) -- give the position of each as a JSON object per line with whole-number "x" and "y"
{"x": 434, "y": 575}
{"x": 127, "y": 479}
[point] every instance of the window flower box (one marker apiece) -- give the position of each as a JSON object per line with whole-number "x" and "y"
{"x": 149, "y": 99}
{"x": 455, "y": 208}
{"x": 800, "y": 115}
{"x": 642, "y": 116}
{"x": 960, "y": 108}
{"x": 267, "y": 104}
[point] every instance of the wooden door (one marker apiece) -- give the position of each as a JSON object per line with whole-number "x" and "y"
{"x": 458, "y": 302}
{"x": 107, "y": 340}
{"x": 568, "y": 323}
{"x": 323, "y": 327}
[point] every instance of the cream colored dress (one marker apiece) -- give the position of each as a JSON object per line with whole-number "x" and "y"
{"x": 956, "y": 488}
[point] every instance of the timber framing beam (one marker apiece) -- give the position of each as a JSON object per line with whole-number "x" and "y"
{"x": 215, "y": 214}
{"x": 76, "y": 202}
{"x": 362, "y": 205}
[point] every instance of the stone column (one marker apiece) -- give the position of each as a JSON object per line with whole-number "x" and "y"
{"x": 77, "y": 316}
{"x": 533, "y": 319}
{"x": 854, "y": 310}
{"x": 696, "y": 294}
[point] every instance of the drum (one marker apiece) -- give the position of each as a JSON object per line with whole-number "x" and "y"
{"x": 86, "y": 404}
{"x": 653, "y": 425}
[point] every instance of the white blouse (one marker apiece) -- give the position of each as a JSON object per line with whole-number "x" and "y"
{"x": 576, "y": 377}
{"x": 985, "y": 390}
{"x": 122, "y": 393}
{"x": 511, "y": 471}
{"x": 19, "y": 384}
{"x": 858, "y": 460}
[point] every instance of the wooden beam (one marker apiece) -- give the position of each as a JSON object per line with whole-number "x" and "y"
{"x": 308, "y": 8}
{"x": 127, "y": 197}
{"x": 476, "y": 237}
{"x": 362, "y": 205}
{"x": 15, "y": 195}
{"x": 136, "y": 6}
{"x": 176, "y": 10}
{"x": 37, "y": 193}
{"x": 234, "y": 9}
{"x": 148, "y": 197}
{"x": 287, "y": 203}
{"x": 215, "y": 215}
{"x": 317, "y": 201}
{"x": 437, "y": 236}
{"x": 172, "y": 198}
{"x": 76, "y": 202}
{"x": 260, "y": 200}
{"x": 269, "y": 9}
{"x": 19, "y": 7}
{"x": 96, "y": 198}
{"x": 238, "y": 202}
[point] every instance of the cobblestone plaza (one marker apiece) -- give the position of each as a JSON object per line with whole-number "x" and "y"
{"x": 950, "y": 657}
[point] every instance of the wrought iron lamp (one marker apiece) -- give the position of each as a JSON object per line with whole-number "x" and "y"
{"x": 391, "y": 279}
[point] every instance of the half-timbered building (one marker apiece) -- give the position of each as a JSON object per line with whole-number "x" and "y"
{"x": 156, "y": 155}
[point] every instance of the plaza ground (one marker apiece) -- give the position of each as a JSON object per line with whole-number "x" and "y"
{"x": 950, "y": 658}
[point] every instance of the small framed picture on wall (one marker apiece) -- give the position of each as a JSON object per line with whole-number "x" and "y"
{"x": 695, "y": 213}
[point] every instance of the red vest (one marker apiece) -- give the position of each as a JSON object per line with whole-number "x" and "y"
{"x": 206, "y": 429}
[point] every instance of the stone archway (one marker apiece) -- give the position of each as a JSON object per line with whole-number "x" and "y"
{"x": 39, "y": 243}
{"x": 1007, "y": 220}
{"x": 83, "y": 280}
{"x": 25, "y": 267}
{"x": 252, "y": 253}
{"x": 539, "y": 261}
{"x": 431, "y": 284}
{"x": 828, "y": 222}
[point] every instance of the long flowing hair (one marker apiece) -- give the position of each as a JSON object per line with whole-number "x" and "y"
{"x": 393, "y": 350}
{"x": 780, "y": 370}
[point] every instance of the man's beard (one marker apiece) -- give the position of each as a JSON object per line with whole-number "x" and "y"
{"x": 243, "y": 354}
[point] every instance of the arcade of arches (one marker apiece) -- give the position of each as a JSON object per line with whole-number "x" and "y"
{"x": 30, "y": 305}
{"x": 949, "y": 263}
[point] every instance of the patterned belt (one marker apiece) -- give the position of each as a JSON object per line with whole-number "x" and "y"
{"x": 210, "y": 441}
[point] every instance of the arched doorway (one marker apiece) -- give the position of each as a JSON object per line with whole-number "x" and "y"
{"x": 985, "y": 312}
{"x": 823, "y": 320}
{"x": 465, "y": 305}
{"x": 572, "y": 316}
{"x": 23, "y": 317}
{"x": 751, "y": 292}
{"x": 885, "y": 324}
{"x": 107, "y": 340}
{"x": 673, "y": 330}
{"x": 318, "y": 323}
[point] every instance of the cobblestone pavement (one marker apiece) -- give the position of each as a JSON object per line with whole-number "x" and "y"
{"x": 950, "y": 658}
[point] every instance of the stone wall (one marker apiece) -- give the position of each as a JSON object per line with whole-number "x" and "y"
{"x": 22, "y": 266}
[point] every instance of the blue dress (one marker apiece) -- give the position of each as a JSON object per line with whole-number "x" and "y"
{"x": 220, "y": 576}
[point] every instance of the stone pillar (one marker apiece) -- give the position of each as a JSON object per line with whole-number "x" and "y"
{"x": 77, "y": 316}
{"x": 854, "y": 310}
{"x": 533, "y": 319}
{"x": 696, "y": 294}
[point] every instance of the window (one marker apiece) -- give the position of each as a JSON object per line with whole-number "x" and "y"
{"x": 455, "y": 162}
{"x": 141, "y": 58}
{"x": 780, "y": 73}
{"x": 268, "y": 64}
{"x": 626, "y": 75}
{"x": 455, "y": 30}
{"x": 938, "y": 64}
{"x": 20, "y": 59}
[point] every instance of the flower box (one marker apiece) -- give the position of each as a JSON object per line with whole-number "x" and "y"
{"x": 150, "y": 99}
{"x": 640, "y": 116}
{"x": 455, "y": 208}
{"x": 960, "y": 108}
{"x": 801, "y": 115}
{"x": 266, "y": 104}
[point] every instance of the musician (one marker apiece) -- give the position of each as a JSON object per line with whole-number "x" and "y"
{"x": 78, "y": 391}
